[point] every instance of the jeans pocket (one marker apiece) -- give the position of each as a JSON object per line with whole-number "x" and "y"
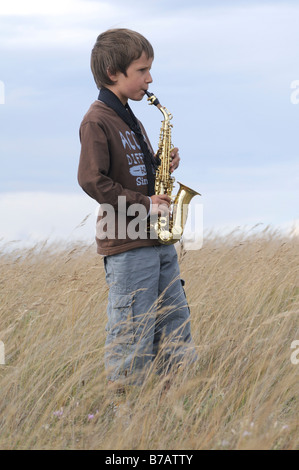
{"x": 120, "y": 326}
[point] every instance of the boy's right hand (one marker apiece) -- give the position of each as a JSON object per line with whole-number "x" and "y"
{"x": 160, "y": 204}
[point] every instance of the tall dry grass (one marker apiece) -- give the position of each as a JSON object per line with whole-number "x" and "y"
{"x": 241, "y": 394}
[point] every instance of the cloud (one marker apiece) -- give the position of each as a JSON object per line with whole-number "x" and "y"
{"x": 55, "y": 25}
{"x": 282, "y": 176}
{"x": 35, "y": 216}
{"x": 233, "y": 39}
{"x": 54, "y": 7}
{"x": 223, "y": 69}
{"x": 221, "y": 37}
{"x": 30, "y": 217}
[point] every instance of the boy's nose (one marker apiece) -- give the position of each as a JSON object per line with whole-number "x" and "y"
{"x": 149, "y": 78}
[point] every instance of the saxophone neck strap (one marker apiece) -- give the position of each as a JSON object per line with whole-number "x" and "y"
{"x": 127, "y": 115}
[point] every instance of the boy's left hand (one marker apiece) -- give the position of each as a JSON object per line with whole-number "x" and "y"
{"x": 175, "y": 159}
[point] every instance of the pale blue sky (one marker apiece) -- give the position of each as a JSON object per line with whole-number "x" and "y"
{"x": 223, "y": 68}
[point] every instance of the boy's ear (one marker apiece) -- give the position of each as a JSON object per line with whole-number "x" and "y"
{"x": 113, "y": 76}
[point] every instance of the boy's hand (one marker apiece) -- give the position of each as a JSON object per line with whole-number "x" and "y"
{"x": 175, "y": 159}
{"x": 160, "y": 204}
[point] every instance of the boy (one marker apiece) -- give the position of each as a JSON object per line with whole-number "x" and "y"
{"x": 148, "y": 316}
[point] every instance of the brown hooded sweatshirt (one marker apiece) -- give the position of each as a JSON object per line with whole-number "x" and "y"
{"x": 112, "y": 171}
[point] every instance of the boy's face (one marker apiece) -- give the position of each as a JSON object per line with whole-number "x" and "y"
{"x": 133, "y": 85}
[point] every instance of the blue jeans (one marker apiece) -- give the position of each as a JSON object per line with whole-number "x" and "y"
{"x": 148, "y": 314}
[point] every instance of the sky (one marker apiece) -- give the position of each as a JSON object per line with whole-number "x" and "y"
{"x": 227, "y": 70}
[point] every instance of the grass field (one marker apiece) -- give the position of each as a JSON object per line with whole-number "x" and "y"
{"x": 241, "y": 394}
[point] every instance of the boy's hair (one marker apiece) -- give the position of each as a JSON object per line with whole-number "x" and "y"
{"x": 115, "y": 50}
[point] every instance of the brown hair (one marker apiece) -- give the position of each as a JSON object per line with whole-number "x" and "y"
{"x": 115, "y": 50}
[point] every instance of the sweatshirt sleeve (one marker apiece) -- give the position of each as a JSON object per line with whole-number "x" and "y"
{"x": 94, "y": 167}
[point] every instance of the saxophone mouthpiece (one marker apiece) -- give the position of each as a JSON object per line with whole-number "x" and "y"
{"x": 152, "y": 98}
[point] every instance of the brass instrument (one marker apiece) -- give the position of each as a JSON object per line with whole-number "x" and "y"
{"x": 169, "y": 229}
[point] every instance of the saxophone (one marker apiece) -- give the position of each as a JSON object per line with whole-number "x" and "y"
{"x": 169, "y": 229}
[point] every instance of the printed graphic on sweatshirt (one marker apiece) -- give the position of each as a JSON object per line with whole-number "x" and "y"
{"x": 134, "y": 157}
